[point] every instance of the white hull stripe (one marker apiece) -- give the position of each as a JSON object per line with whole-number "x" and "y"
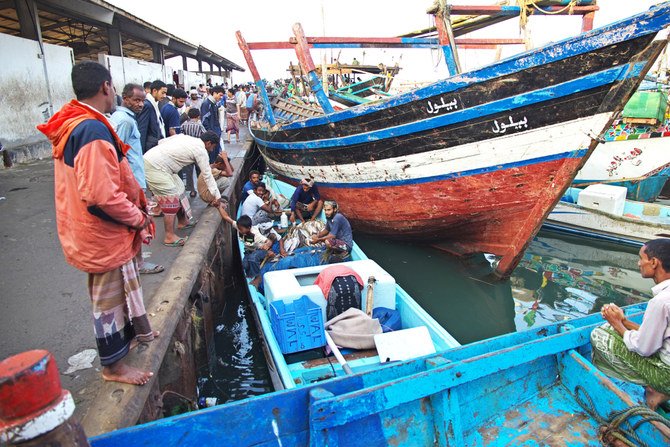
{"x": 44, "y": 423}
{"x": 522, "y": 149}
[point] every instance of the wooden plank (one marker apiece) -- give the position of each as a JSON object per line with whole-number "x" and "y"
{"x": 366, "y": 353}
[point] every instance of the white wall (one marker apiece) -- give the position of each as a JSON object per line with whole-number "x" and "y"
{"x": 24, "y": 102}
{"x": 125, "y": 70}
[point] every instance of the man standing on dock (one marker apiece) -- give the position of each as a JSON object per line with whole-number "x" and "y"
{"x": 100, "y": 217}
{"x": 640, "y": 353}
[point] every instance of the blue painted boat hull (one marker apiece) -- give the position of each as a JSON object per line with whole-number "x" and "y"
{"x": 529, "y": 388}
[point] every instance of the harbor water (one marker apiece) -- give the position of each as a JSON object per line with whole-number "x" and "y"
{"x": 560, "y": 277}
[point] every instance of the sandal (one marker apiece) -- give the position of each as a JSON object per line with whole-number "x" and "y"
{"x": 189, "y": 225}
{"x": 193, "y": 194}
{"x": 149, "y": 268}
{"x": 178, "y": 243}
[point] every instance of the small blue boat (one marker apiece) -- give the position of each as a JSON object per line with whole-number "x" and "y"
{"x": 285, "y": 287}
{"x": 529, "y": 388}
{"x": 633, "y": 223}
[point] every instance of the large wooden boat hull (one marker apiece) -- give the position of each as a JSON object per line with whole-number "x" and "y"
{"x": 535, "y": 387}
{"x": 478, "y": 159}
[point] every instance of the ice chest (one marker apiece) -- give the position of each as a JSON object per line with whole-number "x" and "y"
{"x": 606, "y": 198}
{"x": 298, "y": 325}
{"x": 287, "y": 285}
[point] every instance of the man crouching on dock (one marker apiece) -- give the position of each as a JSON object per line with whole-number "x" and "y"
{"x": 101, "y": 218}
{"x": 640, "y": 353}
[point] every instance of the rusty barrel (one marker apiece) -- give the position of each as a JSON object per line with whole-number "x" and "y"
{"x": 34, "y": 410}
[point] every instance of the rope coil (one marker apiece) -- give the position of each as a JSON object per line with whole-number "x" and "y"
{"x": 617, "y": 425}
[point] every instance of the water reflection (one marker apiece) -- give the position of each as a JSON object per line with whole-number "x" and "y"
{"x": 560, "y": 277}
{"x": 237, "y": 368}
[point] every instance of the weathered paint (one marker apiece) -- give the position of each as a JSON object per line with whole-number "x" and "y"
{"x": 307, "y": 64}
{"x": 516, "y": 389}
{"x": 257, "y": 78}
{"x": 411, "y": 142}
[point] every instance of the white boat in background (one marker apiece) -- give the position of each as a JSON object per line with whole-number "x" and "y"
{"x": 609, "y": 218}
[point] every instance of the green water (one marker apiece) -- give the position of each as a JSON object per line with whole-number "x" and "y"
{"x": 560, "y": 277}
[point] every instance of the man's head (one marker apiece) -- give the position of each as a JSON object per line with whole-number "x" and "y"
{"x": 194, "y": 94}
{"x": 158, "y": 89}
{"x": 147, "y": 87}
{"x": 170, "y": 89}
{"x": 92, "y": 83}
{"x": 133, "y": 97}
{"x": 654, "y": 260}
{"x": 330, "y": 208}
{"x": 244, "y": 225}
{"x": 259, "y": 189}
{"x": 193, "y": 113}
{"x": 210, "y": 139}
{"x": 217, "y": 92}
{"x": 307, "y": 184}
{"x": 179, "y": 98}
{"x": 254, "y": 177}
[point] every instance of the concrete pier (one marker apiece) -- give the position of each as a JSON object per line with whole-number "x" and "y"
{"x": 46, "y": 305}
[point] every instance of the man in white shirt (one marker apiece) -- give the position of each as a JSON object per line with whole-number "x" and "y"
{"x": 640, "y": 353}
{"x": 256, "y": 207}
{"x": 162, "y": 165}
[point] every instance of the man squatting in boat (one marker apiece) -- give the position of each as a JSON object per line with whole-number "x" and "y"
{"x": 640, "y": 353}
{"x": 306, "y": 201}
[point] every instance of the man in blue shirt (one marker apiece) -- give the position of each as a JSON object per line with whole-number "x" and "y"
{"x": 254, "y": 181}
{"x": 170, "y": 112}
{"x": 306, "y": 201}
{"x": 125, "y": 124}
{"x": 337, "y": 234}
{"x": 209, "y": 115}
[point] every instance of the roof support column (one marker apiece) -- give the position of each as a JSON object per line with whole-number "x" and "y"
{"x": 184, "y": 62}
{"x": 158, "y": 54}
{"x": 115, "y": 43}
{"x": 199, "y": 65}
{"x": 220, "y": 71}
{"x": 29, "y": 20}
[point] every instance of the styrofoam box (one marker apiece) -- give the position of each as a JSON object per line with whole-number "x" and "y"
{"x": 289, "y": 285}
{"x": 606, "y": 198}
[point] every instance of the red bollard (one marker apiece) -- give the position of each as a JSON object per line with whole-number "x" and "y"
{"x": 34, "y": 410}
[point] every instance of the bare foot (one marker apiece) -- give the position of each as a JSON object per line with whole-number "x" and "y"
{"x": 654, "y": 398}
{"x": 143, "y": 339}
{"x": 120, "y": 372}
{"x": 256, "y": 281}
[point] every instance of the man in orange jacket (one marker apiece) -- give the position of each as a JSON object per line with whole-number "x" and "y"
{"x": 101, "y": 218}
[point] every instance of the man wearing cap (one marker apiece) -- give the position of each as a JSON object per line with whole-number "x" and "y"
{"x": 337, "y": 234}
{"x": 306, "y": 201}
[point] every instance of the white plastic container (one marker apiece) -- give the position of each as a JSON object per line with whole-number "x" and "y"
{"x": 606, "y": 198}
{"x": 289, "y": 285}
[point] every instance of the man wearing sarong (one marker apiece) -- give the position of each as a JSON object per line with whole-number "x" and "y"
{"x": 101, "y": 217}
{"x": 306, "y": 202}
{"x": 640, "y": 353}
{"x": 337, "y": 235}
{"x": 162, "y": 165}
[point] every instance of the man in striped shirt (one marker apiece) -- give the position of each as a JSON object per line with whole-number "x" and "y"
{"x": 193, "y": 128}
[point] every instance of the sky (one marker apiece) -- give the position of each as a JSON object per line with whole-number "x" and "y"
{"x": 212, "y": 24}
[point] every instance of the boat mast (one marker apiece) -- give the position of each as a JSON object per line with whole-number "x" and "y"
{"x": 257, "y": 78}
{"x": 445, "y": 36}
{"x": 306, "y": 62}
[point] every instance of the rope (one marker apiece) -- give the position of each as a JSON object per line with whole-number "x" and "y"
{"x": 528, "y": 5}
{"x": 612, "y": 427}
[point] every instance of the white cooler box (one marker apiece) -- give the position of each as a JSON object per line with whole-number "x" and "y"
{"x": 606, "y": 198}
{"x": 289, "y": 285}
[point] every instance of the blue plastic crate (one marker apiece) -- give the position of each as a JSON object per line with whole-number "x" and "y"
{"x": 298, "y": 326}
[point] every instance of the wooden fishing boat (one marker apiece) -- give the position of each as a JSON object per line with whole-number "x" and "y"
{"x": 636, "y": 224}
{"x": 633, "y": 154}
{"x": 536, "y": 387}
{"x": 312, "y": 365}
{"x": 478, "y": 159}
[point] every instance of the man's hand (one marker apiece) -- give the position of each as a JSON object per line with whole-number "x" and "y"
{"x": 292, "y": 218}
{"x": 315, "y": 239}
{"x": 271, "y": 254}
{"x": 614, "y": 315}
